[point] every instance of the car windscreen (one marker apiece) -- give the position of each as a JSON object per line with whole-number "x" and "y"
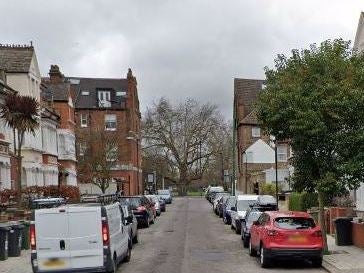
{"x": 217, "y": 189}
{"x": 244, "y": 204}
{"x": 134, "y": 202}
{"x": 164, "y": 192}
{"x": 293, "y": 223}
{"x": 253, "y": 216}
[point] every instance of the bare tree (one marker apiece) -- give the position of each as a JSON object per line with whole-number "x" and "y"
{"x": 187, "y": 136}
{"x": 97, "y": 156}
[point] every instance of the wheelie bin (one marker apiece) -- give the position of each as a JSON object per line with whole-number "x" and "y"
{"x": 4, "y": 241}
{"x": 15, "y": 239}
{"x": 25, "y": 235}
{"x": 343, "y": 235}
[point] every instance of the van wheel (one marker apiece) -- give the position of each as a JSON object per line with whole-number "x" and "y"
{"x": 128, "y": 254}
{"x": 113, "y": 266}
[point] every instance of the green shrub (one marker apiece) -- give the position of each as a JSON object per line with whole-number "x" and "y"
{"x": 295, "y": 201}
{"x": 269, "y": 188}
{"x": 308, "y": 200}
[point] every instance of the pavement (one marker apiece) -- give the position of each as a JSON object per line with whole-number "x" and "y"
{"x": 344, "y": 259}
{"x": 190, "y": 238}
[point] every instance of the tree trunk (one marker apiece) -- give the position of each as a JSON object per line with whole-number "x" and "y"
{"x": 19, "y": 167}
{"x": 322, "y": 219}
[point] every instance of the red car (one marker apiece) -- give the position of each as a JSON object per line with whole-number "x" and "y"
{"x": 286, "y": 236}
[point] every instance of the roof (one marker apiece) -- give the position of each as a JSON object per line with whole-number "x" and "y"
{"x": 16, "y": 58}
{"x": 56, "y": 91}
{"x": 247, "y": 197}
{"x": 93, "y": 85}
{"x": 246, "y": 93}
{"x": 276, "y": 214}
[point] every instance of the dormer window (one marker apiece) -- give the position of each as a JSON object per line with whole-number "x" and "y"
{"x": 104, "y": 98}
{"x": 120, "y": 93}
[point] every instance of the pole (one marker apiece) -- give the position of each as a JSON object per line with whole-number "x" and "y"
{"x": 163, "y": 182}
{"x": 233, "y": 176}
{"x": 246, "y": 173}
{"x": 222, "y": 169}
{"x": 276, "y": 161}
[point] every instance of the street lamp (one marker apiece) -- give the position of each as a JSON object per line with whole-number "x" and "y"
{"x": 274, "y": 143}
{"x": 246, "y": 171}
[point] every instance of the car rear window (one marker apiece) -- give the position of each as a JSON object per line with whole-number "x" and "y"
{"x": 294, "y": 223}
{"x": 164, "y": 192}
{"x": 253, "y": 216}
{"x": 134, "y": 202}
{"x": 245, "y": 204}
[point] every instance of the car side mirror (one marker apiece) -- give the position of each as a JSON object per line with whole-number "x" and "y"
{"x": 233, "y": 208}
{"x": 243, "y": 220}
{"x": 256, "y": 223}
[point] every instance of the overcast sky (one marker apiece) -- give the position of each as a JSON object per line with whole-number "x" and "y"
{"x": 179, "y": 48}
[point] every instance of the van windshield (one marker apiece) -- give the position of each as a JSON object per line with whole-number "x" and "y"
{"x": 133, "y": 202}
{"x": 244, "y": 204}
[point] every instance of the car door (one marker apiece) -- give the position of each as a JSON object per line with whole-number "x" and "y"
{"x": 256, "y": 230}
{"x": 234, "y": 213}
{"x": 262, "y": 227}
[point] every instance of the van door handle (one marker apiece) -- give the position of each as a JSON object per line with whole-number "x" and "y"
{"x": 62, "y": 245}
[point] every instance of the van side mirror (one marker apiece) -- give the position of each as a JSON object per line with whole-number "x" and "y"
{"x": 233, "y": 208}
{"x": 128, "y": 220}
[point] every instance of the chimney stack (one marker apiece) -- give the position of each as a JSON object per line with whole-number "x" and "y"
{"x": 55, "y": 75}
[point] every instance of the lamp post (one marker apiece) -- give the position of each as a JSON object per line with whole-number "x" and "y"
{"x": 274, "y": 143}
{"x": 246, "y": 172}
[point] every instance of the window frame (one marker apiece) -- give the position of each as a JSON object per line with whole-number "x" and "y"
{"x": 282, "y": 156}
{"x": 256, "y": 129}
{"x": 83, "y": 117}
{"x": 108, "y": 122}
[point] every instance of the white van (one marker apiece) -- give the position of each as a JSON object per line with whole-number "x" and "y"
{"x": 238, "y": 210}
{"x": 79, "y": 238}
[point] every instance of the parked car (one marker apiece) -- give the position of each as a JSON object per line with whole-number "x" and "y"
{"x": 286, "y": 235}
{"x": 142, "y": 209}
{"x": 252, "y": 214}
{"x": 155, "y": 200}
{"x": 132, "y": 222}
{"x": 219, "y": 206}
{"x": 212, "y": 193}
{"x": 226, "y": 209}
{"x": 79, "y": 238}
{"x": 162, "y": 204}
{"x": 44, "y": 203}
{"x": 217, "y": 198}
{"x": 239, "y": 209}
{"x": 165, "y": 195}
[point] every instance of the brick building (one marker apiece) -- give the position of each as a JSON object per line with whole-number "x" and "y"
{"x": 111, "y": 107}
{"x": 56, "y": 94}
{"x": 255, "y": 156}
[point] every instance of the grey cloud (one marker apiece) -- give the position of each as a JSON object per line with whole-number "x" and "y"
{"x": 177, "y": 49}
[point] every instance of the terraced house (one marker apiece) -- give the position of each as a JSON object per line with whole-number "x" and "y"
{"x": 109, "y": 108}
{"x": 40, "y": 151}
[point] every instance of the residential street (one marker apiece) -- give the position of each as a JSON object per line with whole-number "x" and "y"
{"x": 190, "y": 238}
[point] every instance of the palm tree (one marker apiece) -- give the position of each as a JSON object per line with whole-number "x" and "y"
{"x": 21, "y": 114}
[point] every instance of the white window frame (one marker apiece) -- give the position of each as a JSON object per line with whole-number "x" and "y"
{"x": 84, "y": 120}
{"x": 104, "y": 98}
{"x": 111, "y": 121}
{"x": 282, "y": 153}
{"x": 82, "y": 146}
{"x": 256, "y": 132}
{"x": 112, "y": 152}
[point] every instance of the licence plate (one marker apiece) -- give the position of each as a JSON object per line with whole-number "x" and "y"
{"x": 54, "y": 263}
{"x": 297, "y": 239}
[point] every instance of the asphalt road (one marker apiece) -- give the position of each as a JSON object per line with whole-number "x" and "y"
{"x": 189, "y": 238}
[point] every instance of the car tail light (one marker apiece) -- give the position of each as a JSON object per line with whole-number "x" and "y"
{"x": 317, "y": 233}
{"x": 272, "y": 232}
{"x": 105, "y": 233}
{"x": 141, "y": 208}
{"x": 33, "y": 244}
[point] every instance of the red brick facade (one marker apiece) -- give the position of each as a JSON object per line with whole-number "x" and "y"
{"x": 127, "y": 174}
